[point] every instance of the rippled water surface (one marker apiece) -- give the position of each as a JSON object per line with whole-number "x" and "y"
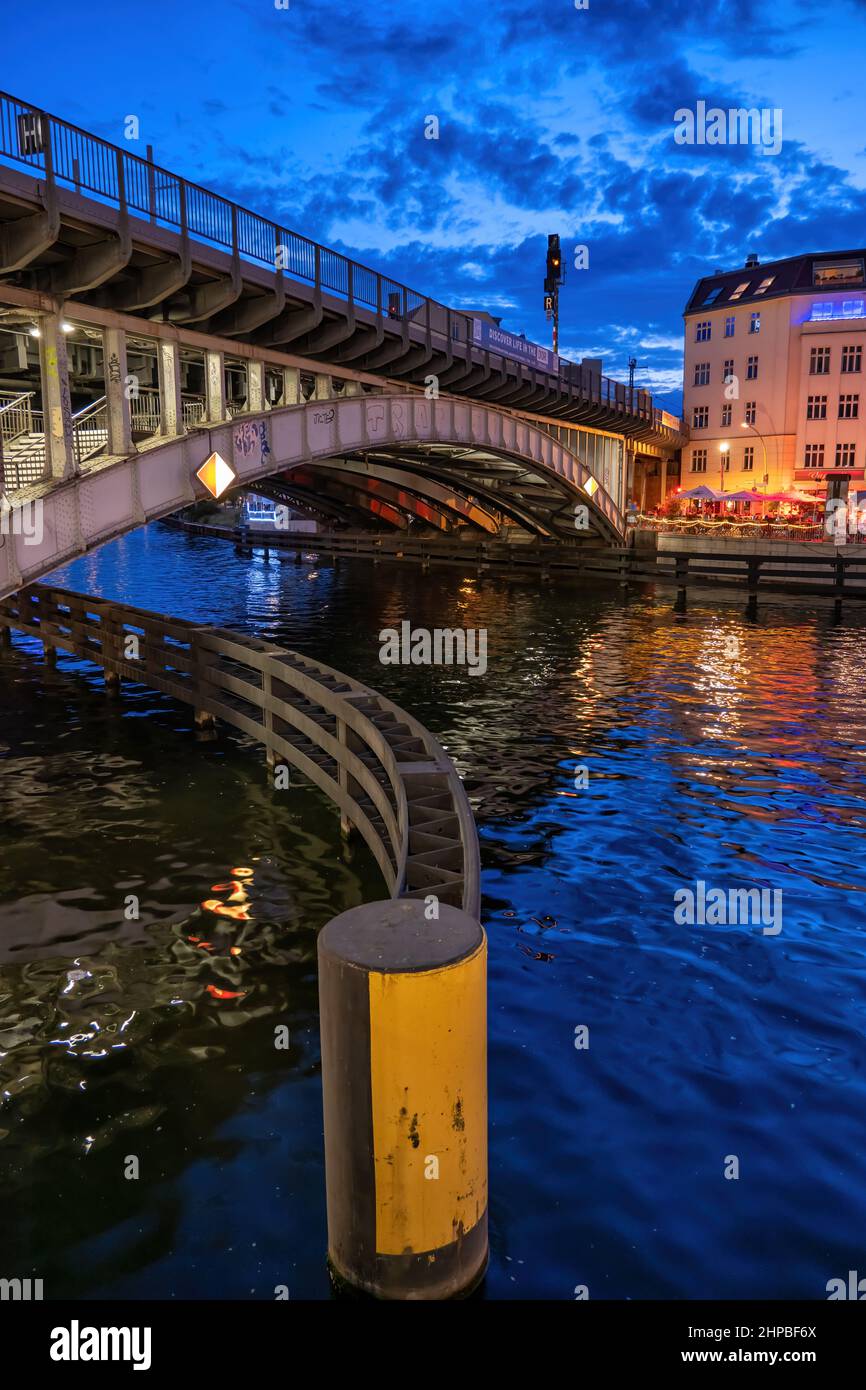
{"x": 715, "y": 749}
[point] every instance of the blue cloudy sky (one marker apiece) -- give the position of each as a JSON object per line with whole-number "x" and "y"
{"x": 551, "y": 119}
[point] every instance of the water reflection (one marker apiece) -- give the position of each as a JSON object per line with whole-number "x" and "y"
{"x": 715, "y": 748}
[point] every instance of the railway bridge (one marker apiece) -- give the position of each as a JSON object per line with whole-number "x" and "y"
{"x": 146, "y": 322}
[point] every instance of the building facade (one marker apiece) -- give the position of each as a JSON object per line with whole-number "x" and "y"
{"x": 773, "y": 376}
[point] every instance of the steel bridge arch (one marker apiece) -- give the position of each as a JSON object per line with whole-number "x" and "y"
{"x": 111, "y": 497}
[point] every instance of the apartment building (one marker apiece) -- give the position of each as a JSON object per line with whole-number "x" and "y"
{"x": 774, "y": 372}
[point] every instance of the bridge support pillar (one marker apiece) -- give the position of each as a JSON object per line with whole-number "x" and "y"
{"x": 170, "y": 405}
{"x": 403, "y": 1027}
{"x": 56, "y": 400}
{"x": 324, "y": 387}
{"x": 117, "y": 400}
{"x": 255, "y": 386}
{"x": 291, "y": 386}
{"x": 215, "y": 387}
{"x": 353, "y": 388}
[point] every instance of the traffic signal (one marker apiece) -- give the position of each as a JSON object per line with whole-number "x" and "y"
{"x": 554, "y": 260}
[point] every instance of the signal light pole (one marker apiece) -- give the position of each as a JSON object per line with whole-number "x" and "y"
{"x": 552, "y": 281}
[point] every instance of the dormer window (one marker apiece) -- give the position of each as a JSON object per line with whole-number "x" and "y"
{"x": 765, "y": 285}
{"x": 838, "y": 273}
{"x": 741, "y": 289}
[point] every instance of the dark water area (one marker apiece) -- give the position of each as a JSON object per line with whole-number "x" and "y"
{"x": 715, "y": 749}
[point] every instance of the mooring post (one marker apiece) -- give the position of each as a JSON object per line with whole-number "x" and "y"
{"x": 681, "y": 573}
{"x": 754, "y": 574}
{"x": 402, "y": 1001}
{"x": 839, "y": 586}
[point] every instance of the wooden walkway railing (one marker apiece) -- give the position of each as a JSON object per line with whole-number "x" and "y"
{"x": 387, "y": 774}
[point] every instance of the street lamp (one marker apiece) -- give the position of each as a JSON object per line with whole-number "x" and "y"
{"x": 744, "y": 425}
{"x": 724, "y": 450}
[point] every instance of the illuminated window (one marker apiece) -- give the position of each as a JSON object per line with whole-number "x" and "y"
{"x": 838, "y": 273}
{"x": 755, "y": 323}
{"x": 765, "y": 285}
{"x": 741, "y": 289}
{"x": 729, "y": 326}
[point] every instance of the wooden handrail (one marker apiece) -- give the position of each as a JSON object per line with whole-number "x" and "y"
{"x": 387, "y": 774}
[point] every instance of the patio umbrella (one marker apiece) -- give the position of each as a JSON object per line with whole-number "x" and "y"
{"x": 744, "y": 496}
{"x": 707, "y": 493}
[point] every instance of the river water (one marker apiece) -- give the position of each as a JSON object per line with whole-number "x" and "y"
{"x": 714, "y": 749}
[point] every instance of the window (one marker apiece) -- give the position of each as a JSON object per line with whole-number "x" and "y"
{"x": 816, "y": 408}
{"x": 749, "y": 458}
{"x": 851, "y": 359}
{"x": 814, "y": 456}
{"x": 819, "y": 361}
{"x": 849, "y": 407}
{"x": 838, "y": 273}
{"x": 703, "y": 331}
{"x": 755, "y": 323}
{"x": 741, "y": 289}
{"x": 844, "y": 455}
{"x": 699, "y": 461}
{"x": 726, "y": 416}
{"x": 726, "y": 462}
{"x": 752, "y": 369}
{"x": 712, "y": 296}
{"x": 729, "y": 326}
{"x": 728, "y": 370}
{"x": 750, "y": 412}
{"x": 765, "y": 285}
{"x": 701, "y": 417}
{"x": 702, "y": 374}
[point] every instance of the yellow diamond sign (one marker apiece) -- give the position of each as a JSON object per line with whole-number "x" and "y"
{"x": 216, "y": 475}
{"x": 590, "y": 487}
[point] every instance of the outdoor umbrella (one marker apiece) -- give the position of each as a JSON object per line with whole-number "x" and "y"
{"x": 708, "y": 493}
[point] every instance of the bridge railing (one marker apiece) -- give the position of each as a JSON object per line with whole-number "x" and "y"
{"x": 387, "y": 774}
{"x": 112, "y": 174}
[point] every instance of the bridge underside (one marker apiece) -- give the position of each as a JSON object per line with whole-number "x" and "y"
{"x": 433, "y": 486}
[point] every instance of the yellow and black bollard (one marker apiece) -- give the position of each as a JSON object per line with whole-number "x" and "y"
{"x": 404, "y": 1078}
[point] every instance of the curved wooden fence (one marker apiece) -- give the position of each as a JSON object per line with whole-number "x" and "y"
{"x": 387, "y": 774}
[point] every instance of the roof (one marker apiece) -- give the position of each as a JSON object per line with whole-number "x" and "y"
{"x": 826, "y": 270}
